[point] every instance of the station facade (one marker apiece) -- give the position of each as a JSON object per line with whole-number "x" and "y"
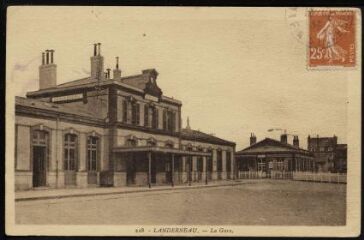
{"x": 110, "y": 131}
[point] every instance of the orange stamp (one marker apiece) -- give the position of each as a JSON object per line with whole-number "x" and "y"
{"x": 331, "y": 38}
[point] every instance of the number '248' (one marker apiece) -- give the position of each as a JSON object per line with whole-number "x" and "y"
{"x": 317, "y": 53}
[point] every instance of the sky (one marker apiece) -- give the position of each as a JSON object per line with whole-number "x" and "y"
{"x": 237, "y": 71}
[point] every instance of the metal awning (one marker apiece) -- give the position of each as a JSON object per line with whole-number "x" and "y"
{"x": 154, "y": 149}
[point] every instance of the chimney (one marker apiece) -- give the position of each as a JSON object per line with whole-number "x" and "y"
{"x": 188, "y": 124}
{"x": 97, "y": 63}
{"x": 284, "y": 138}
{"x": 309, "y": 147}
{"x": 117, "y": 71}
{"x": 296, "y": 142}
{"x": 47, "y": 71}
{"x": 335, "y": 140}
{"x": 253, "y": 139}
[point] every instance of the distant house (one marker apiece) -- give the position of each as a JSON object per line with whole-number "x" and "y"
{"x": 329, "y": 155}
{"x": 270, "y": 155}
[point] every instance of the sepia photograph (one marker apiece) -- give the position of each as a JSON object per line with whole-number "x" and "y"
{"x": 183, "y": 121}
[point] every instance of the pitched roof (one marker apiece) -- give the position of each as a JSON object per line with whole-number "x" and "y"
{"x": 139, "y": 83}
{"x": 54, "y": 107}
{"x": 76, "y": 82}
{"x": 270, "y": 145}
{"x": 189, "y": 134}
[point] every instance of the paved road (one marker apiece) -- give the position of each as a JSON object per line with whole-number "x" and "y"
{"x": 269, "y": 202}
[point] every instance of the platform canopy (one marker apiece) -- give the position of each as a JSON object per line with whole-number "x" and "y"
{"x": 155, "y": 149}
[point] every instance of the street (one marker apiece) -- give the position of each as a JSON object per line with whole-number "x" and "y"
{"x": 266, "y": 202}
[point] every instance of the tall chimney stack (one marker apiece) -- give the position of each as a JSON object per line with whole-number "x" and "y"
{"x": 117, "y": 71}
{"x": 296, "y": 142}
{"x": 97, "y": 64}
{"x": 253, "y": 139}
{"x": 284, "y": 138}
{"x": 47, "y": 71}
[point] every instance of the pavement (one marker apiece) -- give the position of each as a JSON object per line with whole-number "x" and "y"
{"x": 51, "y": 193}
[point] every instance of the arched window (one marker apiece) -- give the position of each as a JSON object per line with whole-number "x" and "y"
{"x": 92, "y": 153}
{"x": 70, "y": 152}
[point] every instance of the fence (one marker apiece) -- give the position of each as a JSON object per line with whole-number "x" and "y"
{"x": 297, "y": 176}
{"x": 320, "y": 177}
{"x": 249, "y": 175}
{"x": 281, "y": 175}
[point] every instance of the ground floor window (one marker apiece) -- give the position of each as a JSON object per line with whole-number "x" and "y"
{"x": 92, "y": 153}
{"x": 70, "y": 152}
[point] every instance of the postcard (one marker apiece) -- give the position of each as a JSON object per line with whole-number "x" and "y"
{"x": 183, "y": 121}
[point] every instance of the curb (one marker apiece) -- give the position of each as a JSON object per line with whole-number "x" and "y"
{"x": 126, "y": 192}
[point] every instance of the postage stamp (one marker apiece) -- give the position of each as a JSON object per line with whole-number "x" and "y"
{"x": 331, "y": 38}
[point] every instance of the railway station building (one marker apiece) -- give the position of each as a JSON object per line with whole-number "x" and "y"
{"x": 110, "y": 131}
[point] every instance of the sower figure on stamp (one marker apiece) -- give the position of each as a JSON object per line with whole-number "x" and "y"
{"x": 327, "y": 34}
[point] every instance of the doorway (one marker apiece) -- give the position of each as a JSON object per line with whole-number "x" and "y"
{"x": 153, "y": 170}
{"x": 39, "y": 166}
{"x": 130, "y": 171}
{"x": 168, "y": 169}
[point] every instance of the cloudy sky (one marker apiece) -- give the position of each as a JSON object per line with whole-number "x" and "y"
{"x": 236, "y": 71}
